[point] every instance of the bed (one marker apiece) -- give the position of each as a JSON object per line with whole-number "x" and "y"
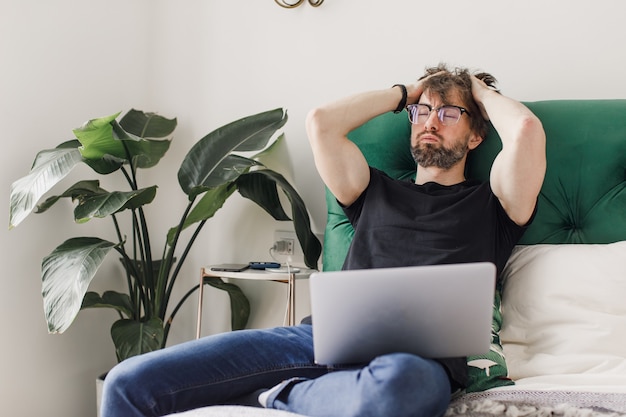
{"x": 559, "y": 328}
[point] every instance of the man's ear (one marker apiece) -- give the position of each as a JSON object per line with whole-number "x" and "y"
{"x": 474, "y": 141}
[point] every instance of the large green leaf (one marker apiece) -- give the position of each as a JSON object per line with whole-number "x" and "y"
{"x": 104, "y": 137}
{"x": 109, "y": 299}
{"x": 239, "y": 304}
{"x": 147, "y": 125}
{"x": 207, "y": 206}
{"x": 228, "y": 169}
{"x": 266, "y": 153}
{"x": 66, "y": 274}
{"x": 263, "y": 190}
{"x": 103, "y": 205}
{"x": 96, "y": 138}
{"x": 50, "y": 167}
{"x": 81, "y": 188}
{"x": 132, "y": 337}
{"x": 144, "y": 153}
{"x": 260, "y": 187}
{"x": 203, "y": 164}
{"x": 104, "y": 166}
{"x": 94, "y": 201}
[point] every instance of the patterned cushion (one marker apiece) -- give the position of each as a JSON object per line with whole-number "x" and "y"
{"x": 490, "y": 370}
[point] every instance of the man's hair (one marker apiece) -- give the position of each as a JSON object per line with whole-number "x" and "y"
{"x": 459, "y": 79}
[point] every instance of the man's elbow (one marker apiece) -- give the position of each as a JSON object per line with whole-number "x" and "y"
{"x": 529, "y": 140}
{"x": 530, "y": 127}
{"x": 314, "y": 122}
{"x": 317, "y": 122}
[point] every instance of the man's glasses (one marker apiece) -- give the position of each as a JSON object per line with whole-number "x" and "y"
{"x": 448, "y": 115}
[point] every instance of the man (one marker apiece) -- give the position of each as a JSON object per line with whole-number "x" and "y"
{"x": 441, "y": 218}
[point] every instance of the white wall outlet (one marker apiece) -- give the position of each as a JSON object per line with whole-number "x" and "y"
{"x": 284, "y": 246}
{"x": 287, "y": 247}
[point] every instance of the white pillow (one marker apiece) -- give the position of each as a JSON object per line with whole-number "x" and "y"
{"x": 564, "y": 310}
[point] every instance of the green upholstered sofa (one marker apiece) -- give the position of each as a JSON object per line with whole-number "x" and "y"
{"x": 583, "y": 194}
{"x": 563, "y": 315}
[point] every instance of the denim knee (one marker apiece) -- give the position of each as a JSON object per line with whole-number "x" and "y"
{"x": 121, "y": 391}
{"x": 409, "y": 386}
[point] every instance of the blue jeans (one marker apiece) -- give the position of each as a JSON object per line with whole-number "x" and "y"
{"x": 225, "y": 368}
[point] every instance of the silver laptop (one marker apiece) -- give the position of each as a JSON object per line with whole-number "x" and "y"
{"x": 434, "y": 311}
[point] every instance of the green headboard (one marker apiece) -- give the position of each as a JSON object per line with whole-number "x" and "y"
{"x": 583, "y": 198}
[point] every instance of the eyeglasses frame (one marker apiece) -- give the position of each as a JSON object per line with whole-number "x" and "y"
{"x": 430, "y": 108}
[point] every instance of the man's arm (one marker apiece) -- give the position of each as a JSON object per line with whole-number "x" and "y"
{"x": 518, "y": 170}
{"x": 339, "y": 161}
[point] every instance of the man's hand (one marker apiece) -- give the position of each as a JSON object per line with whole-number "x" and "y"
{"x": 479, "y": 89}
{"x": 415, "y": 90}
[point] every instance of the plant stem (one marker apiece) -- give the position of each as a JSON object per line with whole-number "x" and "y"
{"x": 142, "y": 237}
{"x": 164, "y": 288}
{"x": 169, "y": 321}
{"x": 131, "y": 288}
{"x": 149, "y": 270}
{"x": 144, "y": 281}
{"x": 144, "y": 278}
{"x": 130, "y": 264}
{"x": 170, "y": 287}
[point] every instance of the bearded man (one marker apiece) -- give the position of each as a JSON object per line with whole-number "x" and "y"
{"x": 439, "y": 218}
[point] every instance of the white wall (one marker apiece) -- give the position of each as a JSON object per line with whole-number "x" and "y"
{"x": 208, "y": 62}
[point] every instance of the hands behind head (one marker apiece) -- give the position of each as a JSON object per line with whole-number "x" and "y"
{"x": 489, "y": 80}
{"x": 415, "y": 90}
{"x": 480, "y": 86}
{"x": 481, "y": 83}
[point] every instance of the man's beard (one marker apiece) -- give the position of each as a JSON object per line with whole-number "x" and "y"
{"x": 430, "y": 155}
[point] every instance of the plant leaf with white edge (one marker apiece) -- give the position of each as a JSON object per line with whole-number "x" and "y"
{"x": 50, "y": 167}
{"x": 66, "y": 275}
{"x": 147, "y": 124}
{"x": 144, "y": 153}
{"x": 251, "y": 133}
{"x": 228, "y": 170}
{"x": 104, "y": 138}
{"x": 104, "y": 204}
{"x": 81, "y": 188}
{"x": 132, "y": 337}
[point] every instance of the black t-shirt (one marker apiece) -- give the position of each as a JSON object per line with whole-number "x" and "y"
{"x": 398, "y": 223}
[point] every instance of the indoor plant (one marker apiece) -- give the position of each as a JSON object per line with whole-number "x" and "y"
{"x": 208, "y": 175}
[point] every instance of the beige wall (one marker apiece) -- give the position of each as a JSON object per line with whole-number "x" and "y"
{"x": 208, "y": 62}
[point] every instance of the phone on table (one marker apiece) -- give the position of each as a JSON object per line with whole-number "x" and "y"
{"x": 263, "y": 265}
{"x": 230, "y": 267}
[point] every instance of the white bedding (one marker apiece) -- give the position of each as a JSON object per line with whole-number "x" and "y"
{"x": 570, "y": 383}
{"x": 564, "y": 337}
{"x": 234, "y": 411}
{"x": 564, "y": 315}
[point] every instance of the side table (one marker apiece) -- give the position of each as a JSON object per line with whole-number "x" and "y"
{"x": 255, "y": 274}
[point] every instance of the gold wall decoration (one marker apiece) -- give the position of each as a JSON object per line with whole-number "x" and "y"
{"x": 295, "y": 3}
